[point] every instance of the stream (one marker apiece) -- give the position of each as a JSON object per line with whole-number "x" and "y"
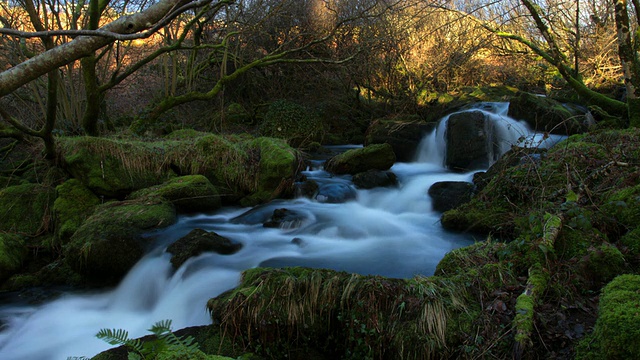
{"x": 385, "y": 231}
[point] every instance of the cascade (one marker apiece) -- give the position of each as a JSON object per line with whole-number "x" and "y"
{"x": 384, "y": 231}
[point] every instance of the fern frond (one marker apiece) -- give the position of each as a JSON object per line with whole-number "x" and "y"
{"x": 114, "y": 336}
{"x": 161, "y": 327}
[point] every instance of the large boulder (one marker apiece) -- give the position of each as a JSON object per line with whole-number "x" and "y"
{"x": 74, "y": 204}
{"x": 470, "y": 138}
{"x": 372, "y": 157}
{"x": 544, "y": 114}
{"x": 404, "y": 136}
{"x": 26, "y": 209}
{"x": 447, "y": 195}
{"x": 197, "y": 242}
{"x": 111, "y": 240}
{"x": 245, "y": 168}
{"x": 114, "y": 168}
{"x": 191, "y": 193}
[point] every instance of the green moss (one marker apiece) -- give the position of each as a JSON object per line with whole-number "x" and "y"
{"x": 110, "y": 241}
{"x": 26, "y": 209}
{"x": 74, "y": 203}
{"x": 356, "y": 316}
{"x": 460, "y": 260}
{"x": 624, "y": 205}
{"x": 618, "y": 326}
{"x": 602, "y": 263}
{"x": 524, "y": 318}
{"x": 114, "y": 168}
{"x": 631, "y": 241}
{"x": 13, "y": 252}
{"x": 191, "y": 193}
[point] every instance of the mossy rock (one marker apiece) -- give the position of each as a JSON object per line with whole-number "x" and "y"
{"x": 597, "y": 162}
{"x": 624, "y": 205}
{"x": 544, "y": 114}
{"x": 13, "y": 252}
{"x": 73, "y": 205}
{"x": 350, "y": 316}
{"x": 111, "y": 240}
{"x": 618, "y": 326}
{"x": 276, "y": 170}
{"x": 372, "y": 157}
{"x": 294, "y": 123}
{"x": 26, "y": 209}
{"x": 602, "y": 263}
{"x": 114, "y": 168}
{"x": 631, "y": 241}
{"x": 190, "y": 193}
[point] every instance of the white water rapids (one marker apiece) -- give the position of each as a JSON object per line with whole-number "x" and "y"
{"x": 386, "y": 231}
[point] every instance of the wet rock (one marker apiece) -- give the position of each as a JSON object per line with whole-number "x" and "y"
{"x": 306, "y": 188}
{"x": 375, "y": 178}
{"x": 376, "y": 157}
{"x": 446, "y": 195}
{"x": 335, "y": 193}
{"x": 470, "y": 140}
{"x": 285, "y": 219}
{"x": 197, "y": 242}
{"x": 404, "y": 136}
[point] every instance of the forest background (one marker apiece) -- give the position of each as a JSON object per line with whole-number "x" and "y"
{"x": 91, "y": 67}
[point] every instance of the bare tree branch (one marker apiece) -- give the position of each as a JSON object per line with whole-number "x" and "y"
{"x": 141, "y": 23}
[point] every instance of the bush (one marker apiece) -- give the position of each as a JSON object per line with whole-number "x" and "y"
{"x": 292, "y": 122}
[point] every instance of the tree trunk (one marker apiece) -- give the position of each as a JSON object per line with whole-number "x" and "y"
{"x": 629, "y": 61}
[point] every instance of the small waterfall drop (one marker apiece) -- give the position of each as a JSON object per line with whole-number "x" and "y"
{"x": 508, "y": 132}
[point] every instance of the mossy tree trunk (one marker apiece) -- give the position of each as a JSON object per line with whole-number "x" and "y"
{"x": 629, "y": 60}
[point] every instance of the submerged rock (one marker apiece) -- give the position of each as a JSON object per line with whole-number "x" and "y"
{"x": 285, "y": 219}
{"x": 197, "y": 242}
{"x": 335, "y": 193}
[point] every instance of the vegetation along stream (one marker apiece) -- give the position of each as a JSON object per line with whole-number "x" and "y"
{"x": 389, "y": 231}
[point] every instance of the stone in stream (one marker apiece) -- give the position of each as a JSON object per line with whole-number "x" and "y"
{"x": 447, "y": 195}
{"x": 197, "y": 242}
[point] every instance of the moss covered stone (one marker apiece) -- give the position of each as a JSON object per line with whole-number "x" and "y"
{"x": 114, "y": 168}
{"x": 110, "y": 241}
{"x": 545, "y": 114}
{"x": 26, "y": 209}
{"x": 350, "y": 316}
{"x": 13, "y": 252}
{"x": 372, "y": 157}
{"x": 74, "y": 203}
{"x": 190, "y": 193}
{"x": 617, "y": 329}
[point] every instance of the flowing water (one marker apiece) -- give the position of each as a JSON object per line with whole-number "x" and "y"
{"x": 384, "y": 231}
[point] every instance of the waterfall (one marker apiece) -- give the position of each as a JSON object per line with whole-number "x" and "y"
{"x": 384, "y": 231}
{"x": 508, "y": 132}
